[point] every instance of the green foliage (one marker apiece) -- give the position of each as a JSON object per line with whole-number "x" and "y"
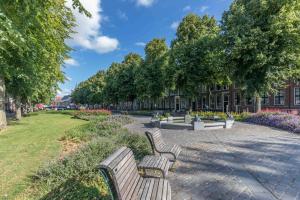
{"x": 138, "y": 144}
{"x": 78, "y": 170}
{"x": 32, "y": 51}
{"x": 220, "y": 115}
{"x": 262, "y": 42}
{"x": 150, "y": 80}
{"x": 77, "y": 175}
{"x": 27, "y": 144}
{"x": 91, "y": 90}
{"x": 197, "y": 54}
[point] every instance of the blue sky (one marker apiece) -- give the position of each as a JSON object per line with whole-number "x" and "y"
{"x": 119, "y": 27}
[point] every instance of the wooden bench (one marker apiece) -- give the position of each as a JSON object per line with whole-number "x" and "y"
{"x": 151, "y": 164}
{"x": 159, "y": 146}
{"x": 127, "y": 184}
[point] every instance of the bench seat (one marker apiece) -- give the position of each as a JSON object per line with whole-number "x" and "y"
{"x": 152, "y": 189}
{"x": 160, "y": 147}
{"x": 121, "y": 173}
{"x": 154, "y": 163}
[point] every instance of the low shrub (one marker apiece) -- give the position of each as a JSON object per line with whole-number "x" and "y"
{"x": 103, "y": 126}
{"x": 137, "y": 143}
{"x": 77, "y": 176}
{"x": 79, "y": 168}
{"x": 140, "y": 112}
{"x": 278, "y": 120}
{"x": 91, "y": 114}
{"x": 221, "y": 115}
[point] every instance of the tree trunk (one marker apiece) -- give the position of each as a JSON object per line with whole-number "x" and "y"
{"x": 18, "y": 114}
{"x": 3, "y": 121}
{"x": 170, "y": 101}
{"x": 257, "y": 104}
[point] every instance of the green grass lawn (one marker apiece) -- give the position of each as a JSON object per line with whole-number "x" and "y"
{"x": 28, "y": 144}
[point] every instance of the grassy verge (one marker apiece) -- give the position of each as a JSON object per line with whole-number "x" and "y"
{"x": 26, "y": 145}
{"x": 76, "y": 176}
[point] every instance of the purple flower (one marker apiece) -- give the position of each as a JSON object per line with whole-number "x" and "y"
{"x": 279, "y": 120}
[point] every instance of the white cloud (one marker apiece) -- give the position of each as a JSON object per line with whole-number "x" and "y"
{"x": 187, "y": 8}
{"x": 203, "y": 8}
{"x": 68, "y": 78}
{"x": 145, "y": 3}
{"x": 122, "y": 15}
{"x": 141, "y": 44}
{"x": 104, "y": 44}
{"x": 63, "y": 92}
{"x": 71, "y": 62}
{"x": 87, "y": 30}
{"x": 175, "y": 25}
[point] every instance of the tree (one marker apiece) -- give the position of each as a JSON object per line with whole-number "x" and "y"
{"x": 197, "y": 54}
{"x": 150, "y": 80}
{"x": 111, "y": 90}
{"x": 91, "y": 90}
{"x": 262, "y": 44}
{"x": 127, "y": 76}
{"x": 33, "y": 50}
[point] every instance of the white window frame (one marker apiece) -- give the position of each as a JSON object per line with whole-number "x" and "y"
{"x": 283, "y": 98}
{"x": 235, "y": 97}
{"x": 295, "y": 96}
{"x": 218, "y": 106}
{"x": 212, "y": 105}
{"x": 268, "y": 97}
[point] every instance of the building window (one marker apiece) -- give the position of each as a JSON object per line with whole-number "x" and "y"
{"x": 219, "y": 101}
{"x": 279, "y": 98}
{"x": 225, "y": 87}
{"x": 218, "y": 87}
{"x": 212, "y": 88}
{"x": 212, "y": 102}
{"x": 265, "y": 99}
{"x": 297, "y": 96}
{"x": 237, "y": 99}
{"x": 204, "y": 104}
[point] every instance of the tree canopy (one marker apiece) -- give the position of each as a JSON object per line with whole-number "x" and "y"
{"x": 262, "y": 43}
{"x": 33, "y": 48}
{"x": 197, "y": 54}
{"x": 150, "y": 79}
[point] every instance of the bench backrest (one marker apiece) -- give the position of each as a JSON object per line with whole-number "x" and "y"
{"x": 154, "y": 136}
{"x": 123, "y": 172}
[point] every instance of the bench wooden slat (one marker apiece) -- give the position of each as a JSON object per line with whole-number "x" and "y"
{"x": 155, "y": 163}
{"x": 154, "y": 193}
{"x": 128, "y": 184}
{"x": 160, "y": 189}
{"x": 126, "y": 176}
{"x": 134, "y": 192}
{"x": 158, "y": 145}
{"x": 128, "y": 190}
{"x": 113, "y": 156}
{"x": 149, "y": 193}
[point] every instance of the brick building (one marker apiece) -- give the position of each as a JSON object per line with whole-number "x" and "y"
{"x": 222, "y": 98}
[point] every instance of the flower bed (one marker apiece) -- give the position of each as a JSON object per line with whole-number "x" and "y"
{"x": 278, "y": 120}
{"x": 221, "y": 115}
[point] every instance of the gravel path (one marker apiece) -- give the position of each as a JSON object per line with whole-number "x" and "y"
{"x": 246, "y": 162}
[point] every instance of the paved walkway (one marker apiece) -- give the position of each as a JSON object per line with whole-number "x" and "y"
{"x": 246, "y": 162}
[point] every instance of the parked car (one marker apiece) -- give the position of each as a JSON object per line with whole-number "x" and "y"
{"x": 61, "y": 108}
